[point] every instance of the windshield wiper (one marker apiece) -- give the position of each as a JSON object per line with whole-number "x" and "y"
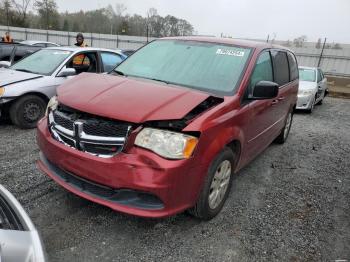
{"x": 25, "y": 70}
{"x": 119, "y": 72}
{"x": 159, "y": 80}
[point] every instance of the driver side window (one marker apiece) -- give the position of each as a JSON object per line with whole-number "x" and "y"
{"x": 84, "y": 63}
{"x": 262, "y": 71}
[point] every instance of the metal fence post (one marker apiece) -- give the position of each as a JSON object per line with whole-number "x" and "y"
{"x": 319, "y": 60}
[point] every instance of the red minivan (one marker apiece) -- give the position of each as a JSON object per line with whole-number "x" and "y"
{"x": 167, "y": 129}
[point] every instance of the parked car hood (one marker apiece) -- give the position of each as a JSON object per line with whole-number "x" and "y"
{"x": 9, "y": 76}
{"x": 128, "y": 99}
{"x": 305, "y": 85}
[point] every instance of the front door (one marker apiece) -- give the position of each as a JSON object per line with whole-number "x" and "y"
{"x": 260, "y": 130}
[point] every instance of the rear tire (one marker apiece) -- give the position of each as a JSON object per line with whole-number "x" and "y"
{"x": 27, "y": 111}
{"x": 216, "y": 186}
{"x": 282, "y": 137}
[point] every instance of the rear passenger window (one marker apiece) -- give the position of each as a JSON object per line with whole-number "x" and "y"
{"x": 319, "y": 76}
{"x": 281, "y": 67}
{"x": 262, "y": 70}
{"x": 293, "y": 67}
{"x": 110, "y": 61}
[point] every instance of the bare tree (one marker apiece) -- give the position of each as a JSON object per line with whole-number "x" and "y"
{"x": 7, "y": 9}
{"x": 120, "y": 9}
{"x": 21, "y": 7}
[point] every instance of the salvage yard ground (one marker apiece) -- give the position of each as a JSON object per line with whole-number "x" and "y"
{"x": 292, "y": 204}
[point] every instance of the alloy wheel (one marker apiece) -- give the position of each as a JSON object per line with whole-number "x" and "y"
{"x": 219, "y": 184}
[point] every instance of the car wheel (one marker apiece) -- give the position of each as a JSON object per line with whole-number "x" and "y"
{"x": 216, "y": 186}
{"x": 27, "y": 111}
{"x": 282, "y": 137}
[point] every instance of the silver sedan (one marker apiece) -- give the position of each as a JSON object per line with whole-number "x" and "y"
{"x": 312, "y": 88}
{"x": 27, "y": 86}
{"x": 19, "y": 240}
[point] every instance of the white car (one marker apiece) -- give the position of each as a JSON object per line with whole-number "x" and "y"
{"x": 19, "y": 239}
{"x": 312, "y": 88}
{"x": 39, "y": 43}
{"x": 27, "y": 86}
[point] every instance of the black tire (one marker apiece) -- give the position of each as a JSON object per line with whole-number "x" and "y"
{"x": 320, "y": 102}
{"x": 202, "y": 209}
{"x": 27, "y": 111}
{"x": 283, "y": 136}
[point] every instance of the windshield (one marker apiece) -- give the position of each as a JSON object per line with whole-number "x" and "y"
{"x": 43, "y": 62}
{"x": 308, "y": 75}
{"x": 211, "y": 67}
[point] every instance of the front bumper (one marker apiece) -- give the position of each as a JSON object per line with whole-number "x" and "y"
{"x": 138, "y": 182}
{"x": 305, "y": 101}
{"x": 5, "y": 105}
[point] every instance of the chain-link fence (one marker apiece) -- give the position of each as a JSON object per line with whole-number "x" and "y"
{"x": 68, "y": 38}
{"x": 334, "y": 62}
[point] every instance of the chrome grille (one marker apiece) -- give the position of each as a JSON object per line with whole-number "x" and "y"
{"x": 97, "y": 136}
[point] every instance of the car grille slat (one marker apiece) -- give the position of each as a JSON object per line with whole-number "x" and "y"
{"x": 91, "y": 134}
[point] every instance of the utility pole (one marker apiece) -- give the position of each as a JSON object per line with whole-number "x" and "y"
{"x": 147, "y": 26}
{"x": 7, "y": 7}
{"x": 319, "y": 60}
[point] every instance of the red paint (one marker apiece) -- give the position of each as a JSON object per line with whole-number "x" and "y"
{"x": 177, "y": 183}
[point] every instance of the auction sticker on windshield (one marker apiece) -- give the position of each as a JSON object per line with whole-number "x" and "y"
{"x": 229, "y": 52}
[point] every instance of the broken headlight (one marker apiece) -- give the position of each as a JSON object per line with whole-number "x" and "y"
{"x": 52, "y": 105}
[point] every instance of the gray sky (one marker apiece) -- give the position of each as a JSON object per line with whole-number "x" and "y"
{"x": 245, "y": 18}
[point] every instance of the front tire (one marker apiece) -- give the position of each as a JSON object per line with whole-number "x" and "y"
{"x": 27, "y": 111}
{"x": 216, "y": 187}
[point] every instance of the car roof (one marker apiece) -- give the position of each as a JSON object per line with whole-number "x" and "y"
{"x": 230, "y": 41}
{"x": 79, "y": 49}
{"x": 37, "y": 42}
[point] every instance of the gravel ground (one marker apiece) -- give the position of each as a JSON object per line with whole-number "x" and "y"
{"x": 291, "y": 204}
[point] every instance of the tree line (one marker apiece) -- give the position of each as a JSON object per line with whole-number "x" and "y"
{"x": 44, "y": 14}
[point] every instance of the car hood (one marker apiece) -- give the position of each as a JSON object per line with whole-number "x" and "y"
{"x": 9, "y": 76}
{"x": 127, "y": 99}
{"x": 305, "y": 85}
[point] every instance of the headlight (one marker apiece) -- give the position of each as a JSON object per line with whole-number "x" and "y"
{"x": 52, "y": 105}
{"x": 306, "y": 92}
{"x": 167, "y": 144}
{"x": 2, "y": 91}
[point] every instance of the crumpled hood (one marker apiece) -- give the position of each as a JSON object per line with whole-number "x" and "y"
{"x": 9, "y": 76}
{"x": 128, "y": 99}
{"x": 305, "y": 85}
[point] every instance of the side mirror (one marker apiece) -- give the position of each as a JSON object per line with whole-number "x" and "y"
{"x": 264, "y": 90}
{"x": 67, "y": 72}
{"x": 5, "y": 64}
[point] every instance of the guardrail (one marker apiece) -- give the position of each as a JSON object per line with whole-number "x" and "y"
{"x": 68, "y": 38}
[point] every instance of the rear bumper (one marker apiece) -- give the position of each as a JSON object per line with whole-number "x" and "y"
{"x": 137, "y": 182}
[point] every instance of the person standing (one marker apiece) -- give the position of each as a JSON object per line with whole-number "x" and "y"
{"x": 80, "y": 41}
{"x": 7, "y": 38}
